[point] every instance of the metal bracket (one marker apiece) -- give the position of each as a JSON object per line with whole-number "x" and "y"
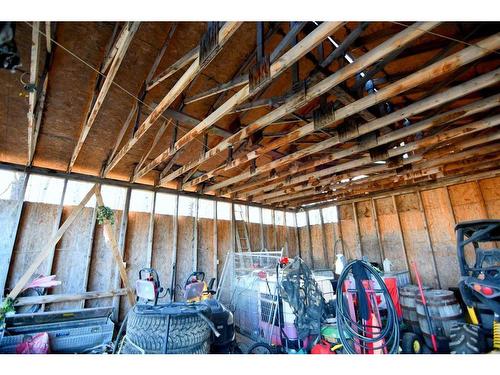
{"x": 259, "y": 75}
{"x": 209, "y": 45}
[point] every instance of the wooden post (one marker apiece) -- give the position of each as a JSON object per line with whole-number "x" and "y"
{"x": 109, "y": 234}
{"x": 275, "y": 235}
{"x": 216, "y": 247}
{"x": 262, "y": 241}
{"x": 57, "y": 224}
{"x": 174, "y": 247}
{"x": 297, "y": 235}
{"x": 481, "y": 200}
{"x": 323, "y": 237}
{"x": 450, "y": 205}
{"x": 344, "y": 252}
{"x": 88, "y": 255}
{"x": 428, "y": 235}
{"x": 195, "y": 235}
{"x": 311, "y": 257}
{"x": 401, "y": 233}
{"x": 377, "y": 230}
{"x": 11, "y": 239}
{"x": 121, "y": 245}
{"x": 286, "y": 232}
{"x": 151, "y": 229}
{"x": 45, "y": 252}
{"x": 358, "y": 234}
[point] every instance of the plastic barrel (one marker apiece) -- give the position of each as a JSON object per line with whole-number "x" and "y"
{"x": 445, "y": 312}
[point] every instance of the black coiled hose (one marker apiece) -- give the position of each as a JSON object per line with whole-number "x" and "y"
{"x": 353, "y": 334}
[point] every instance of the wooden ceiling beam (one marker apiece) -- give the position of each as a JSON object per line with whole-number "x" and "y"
{"x": 425, "y": 161}
{"x": 300, "y": 99}
{"x": 314, "y": 178}
{"x": 225, "y": 33}
{"x": 441, "y": 67}
{"x": 278, "y": 67}
{"x": 121, "y": 47}
{"x": 424, "y": 105}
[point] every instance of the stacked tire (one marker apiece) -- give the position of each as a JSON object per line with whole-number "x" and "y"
{"x": 467, "y": 339}
{"x": 146, "y": 330}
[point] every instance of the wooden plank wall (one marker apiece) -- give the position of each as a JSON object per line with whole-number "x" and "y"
{"x": 401, "y": 232}
{"x": 409, "y": 232}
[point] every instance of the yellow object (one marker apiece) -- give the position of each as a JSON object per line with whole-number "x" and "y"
{"x": 203, "y": 296}
{"x": 496, "y": 335}
{"x": 472, "y": 315}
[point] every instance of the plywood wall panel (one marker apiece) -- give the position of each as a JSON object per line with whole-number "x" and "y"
{"x": 8, "y": 223}
{"x": 280, "y": 235}
{"x": 162, "y": 248}
{"x": 70, "y": 260}
{"x": 490, "y": 189}
{"x": 224, "y": 239}
{"x": 349, "y": 232}
{"x": 415, "y": 238}
{"x": 135, "y": 256}
{"x": 185, "y": 253}
{"x": 305, "y": 246}
{"x": 317, "y": 247}
{"x": 254, "y": 236}
{"x": 35, "y": 228}
{"x": 368, "y": 233}
{"x": 293, "y": 249}
{"x": 206, "y": 248}
{"x": 390, "y": 234}
{"x": 441, "y": 229}
{"x": 102, "y": 264}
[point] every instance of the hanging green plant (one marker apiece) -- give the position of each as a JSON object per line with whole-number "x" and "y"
{"x": 105, "y": 214}
{"x": 6, "y": 307}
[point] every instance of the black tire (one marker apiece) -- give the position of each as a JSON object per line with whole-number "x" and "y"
{"x": 411, "y": 343}
{"x": 467, "y": 339}
{"x": 188, "y": 334}
{"x": 260, "y": 348}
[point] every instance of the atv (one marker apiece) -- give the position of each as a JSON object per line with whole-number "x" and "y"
{"x": 479, "y": 288}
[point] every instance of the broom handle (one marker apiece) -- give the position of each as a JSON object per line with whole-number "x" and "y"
{"x": 426, "y": 310}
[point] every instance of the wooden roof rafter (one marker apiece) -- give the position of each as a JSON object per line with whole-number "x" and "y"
{"x": 119, "y": 48}
{"x": 278, "y": 67}
{"x": 445, "y": 65}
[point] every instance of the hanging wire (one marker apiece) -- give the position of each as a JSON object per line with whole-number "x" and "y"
{"x": 121, "y": 87}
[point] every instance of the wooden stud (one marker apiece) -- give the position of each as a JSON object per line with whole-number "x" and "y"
{"x": 339, "y": 224}
{"x": 38, "y": 118}
{"x": 123, "y": 129}
{"x": 115, "y": 276}
{"x": 11, "y": 240}
{"x": 216, "y": 246}
{"x": 57, "y": 224}
{"x": 195, "y": 235}
{"x": 309, "y": 237}
{"x": 297, "y": 235}
{"x": 121, "y": 46}
{"x": 47, "y": 248}
{"x": 286, "y": 233}
{"x": 377, "y": 230}
{"x": 56, "y": 298}
{"x": 48, "y": 36}
{"x": 275, "y": 234}
{"x": 356, "y": 224}
{"x": 151, "y": 229}
{"x": 481, "y": 200}
{"x": 88, "y": 255}
{"x": 400, "y": 229}
{"x": 109, "y": 235}
{"x": 262, "y": 240}
{"x": 323, "y": 238}
{"x": 428, "y": 236}
{"x": 233, "y": 230}
{"x": 175, "y": 231}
